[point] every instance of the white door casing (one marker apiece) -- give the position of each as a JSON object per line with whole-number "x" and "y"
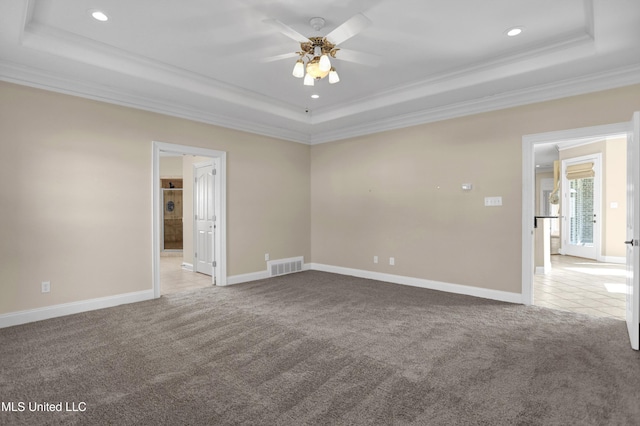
{"x": 204, "y": 217}
{"x": 220, "y": 240}
{"x": 633, "y": 233}
{"x": 528, "y": 187}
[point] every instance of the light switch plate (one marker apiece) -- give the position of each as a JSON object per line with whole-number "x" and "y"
{"x": 492, "y": 201}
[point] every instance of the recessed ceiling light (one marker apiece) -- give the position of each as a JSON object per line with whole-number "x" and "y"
{"x": 512, "y": 32}
{"x": 314, "y": 96}
{"x": 99, "y": 15}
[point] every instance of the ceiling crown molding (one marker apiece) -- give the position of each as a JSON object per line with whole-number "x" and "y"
{"x": 123, "y": 78}
{"x": 41, "y": 79}
{"x": 573, "y": 87}
{"x": 568, "y": 48}
{"x": 44, "y": 80}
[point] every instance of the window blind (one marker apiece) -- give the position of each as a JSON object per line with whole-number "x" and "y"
{"x": 580, "y": 171}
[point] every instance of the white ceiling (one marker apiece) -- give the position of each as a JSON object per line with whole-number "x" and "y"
{"x": 204, "y": 59}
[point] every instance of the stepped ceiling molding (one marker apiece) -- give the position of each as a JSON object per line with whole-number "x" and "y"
{"x": 208, "y": 60}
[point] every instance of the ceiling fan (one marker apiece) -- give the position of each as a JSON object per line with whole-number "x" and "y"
{"x": 317, "y": 51}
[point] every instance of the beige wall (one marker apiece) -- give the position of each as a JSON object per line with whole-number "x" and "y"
{"x": 170, "y": 167}
{"x": 398, "y": 193}
{"x": 616, "y": 192}
{"x": 76, "y": 196}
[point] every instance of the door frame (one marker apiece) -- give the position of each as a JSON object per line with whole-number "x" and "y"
{"x": 221, "y": 207}
{"x": 528, "y": 187}
{"x": 598, "y": 201}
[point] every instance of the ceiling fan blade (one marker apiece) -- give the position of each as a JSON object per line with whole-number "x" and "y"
{"x": 279, "y": 57}
{"x": 287, "y": 30}
{"x": 359, "y": 57}
{"x": 351, "y": 27}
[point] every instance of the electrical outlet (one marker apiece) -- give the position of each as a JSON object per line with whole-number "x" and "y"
{"x": 46, "y": 286}
{"x": 392, "y": 261}
{"x": 266, "y": 257}
{"x": 375, "y": 259}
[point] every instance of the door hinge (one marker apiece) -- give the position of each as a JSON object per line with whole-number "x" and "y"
{"x": 214, "y": 172}
{"x": 195, "y": 254}
{"x": 214, "y": 264}
{"x": 196, "y": 217}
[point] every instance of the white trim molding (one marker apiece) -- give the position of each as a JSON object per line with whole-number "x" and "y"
{"x": 255, "y": 276}
{"x": 614, "y": 259}
{"x": 48, "y": 312}
{"x": 245, "y": 278}
{"x": 542, "y": 270}
{"x": 484, "y": 293}
{"x": 220, "y": 161}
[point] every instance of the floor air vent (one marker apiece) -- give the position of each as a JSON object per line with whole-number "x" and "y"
{"x": 285, "y": 266}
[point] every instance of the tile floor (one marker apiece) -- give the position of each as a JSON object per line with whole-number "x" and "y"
{"x": 174, "y": 279}
{"x": 582, "y": 285}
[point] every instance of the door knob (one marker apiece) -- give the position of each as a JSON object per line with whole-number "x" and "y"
{"x": 632, "y": 242}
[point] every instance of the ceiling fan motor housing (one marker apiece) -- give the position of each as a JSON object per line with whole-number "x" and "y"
{"x": 325, "y": 45}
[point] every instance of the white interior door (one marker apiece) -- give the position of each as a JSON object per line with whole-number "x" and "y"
{"x": 204, "y": 217}
{"x": 633, "y": 231}
{"x": 581, "y": 208}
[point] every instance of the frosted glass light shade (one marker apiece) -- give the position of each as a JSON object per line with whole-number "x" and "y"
{"x": 333, "y": 76}
{"x": 298, "y": 69}
{"x": 325, "y": 63}
{"x": 309, "y": 80}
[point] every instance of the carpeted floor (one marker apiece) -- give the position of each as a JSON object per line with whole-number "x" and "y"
{"x": 318, "y": 348}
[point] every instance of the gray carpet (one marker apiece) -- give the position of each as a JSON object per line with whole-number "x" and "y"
{"x": 318, "y": 348}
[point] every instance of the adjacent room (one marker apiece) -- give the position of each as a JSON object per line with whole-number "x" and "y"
{"x": 299, "y": 213}
{"x": 581, "y": 200}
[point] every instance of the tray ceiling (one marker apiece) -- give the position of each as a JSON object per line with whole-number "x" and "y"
{"x": 204, "y": 60}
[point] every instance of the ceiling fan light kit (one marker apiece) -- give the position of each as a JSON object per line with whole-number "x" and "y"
{"x": 317, "y": 51}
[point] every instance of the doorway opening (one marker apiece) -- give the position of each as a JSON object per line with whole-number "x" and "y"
{"x": 584, "y": 274}
{"x": 182, "y": 262}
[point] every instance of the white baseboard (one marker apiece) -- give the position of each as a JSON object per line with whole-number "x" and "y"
{"x": 541, "y": 270}
{"x": 187, "y": 266}
{"x": 484, "y": 293}
{"x": 255, "y": 276}
{"x": 614, "y": 259}
{"x": 38, "y": 314}
{"x": 245, "y": 278}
